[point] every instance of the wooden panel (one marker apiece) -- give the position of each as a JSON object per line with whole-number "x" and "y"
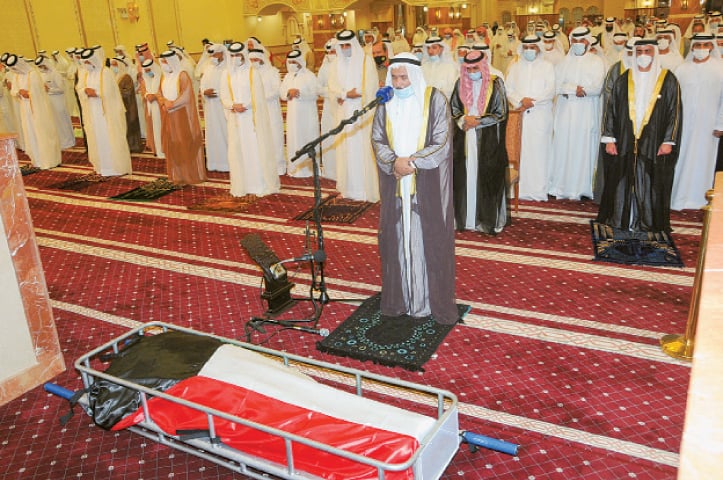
{"x": 35, "y": 316}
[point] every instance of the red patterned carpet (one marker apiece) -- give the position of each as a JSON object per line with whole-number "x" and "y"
{"x": 559, "y": 353}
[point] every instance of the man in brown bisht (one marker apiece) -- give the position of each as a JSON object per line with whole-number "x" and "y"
{"x": 180, "y": 129}
{"x": 127, "y": 89}
{"x": 412, "y": 141}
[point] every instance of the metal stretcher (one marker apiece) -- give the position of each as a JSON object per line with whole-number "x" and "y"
{"x": 436, "y": 448}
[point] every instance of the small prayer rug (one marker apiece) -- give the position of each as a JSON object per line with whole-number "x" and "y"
{"x": 225, "y": 203}
{"x": 28, "y": 170}
{"x": 79, "y": 182}
{"x": 149, "y": 191}
{"x": 336, "y": 209}
{"x": 392, "y": 341}
{"x": 634, "y": 248}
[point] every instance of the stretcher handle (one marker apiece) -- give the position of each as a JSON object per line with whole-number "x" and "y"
{"x": 56, "y": 389}
{"x": 476, "y": 440}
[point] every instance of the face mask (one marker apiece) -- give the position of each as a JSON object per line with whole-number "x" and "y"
{"x": 419, "y": 55}
{"x": 380, "y": 60}
{"x": 405, "y": 92}
{"x": 663, "y": 43}
{"x": 115, "y": 70}
{"x": 644, "y": 61}
{"x": 474, "y": 76}
{"x": 619, "y": 46}
{"x": 578, "y": 49}
{"x": 529, "y": 55}
{"x": 215, "y": 61}
{"x": 434, "y": 58}
{"x": 238, "y": 61}
{"x": 166, "y": 68}
{"x": 292, "y": 67}
{"x": 150, "y": 74}
{"x": 714, "y": 27}
{"x": 701, "y": 53}
{"x": 346, "y": 52}
{"x": 448, "y": 37}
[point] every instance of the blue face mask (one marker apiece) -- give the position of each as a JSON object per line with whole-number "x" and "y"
{"x": 529, "y": 55}
{"x": 418, "y": 55}
{"x": 434, "y": 58}
{"x": 151, "y": 74}
{"x": 474, "y": 76}
{"x": 405, "y": 92}
{"x": 578, "y": 48}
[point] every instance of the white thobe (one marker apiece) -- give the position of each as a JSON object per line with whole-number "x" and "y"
{"x": 154, "y": 111}
{"x": 576, "y": 137}
{"x": 472, "y": 159}
{"x": 215, "y": 118}
{"x": 535, "y": 80}
{"x": 671, "y": 60}
{"x": 105, "y": 123}
{"x": 327, "y": 155}
{"x": 357, "y": 177}
{"x": 441, "y": 75}
{"x": 302, "y": 119}
{"x": 272, "y": 82}
{"x": 36, "y": 120}
{"x": 701, "y": 87}
{"x": 55, "y": 84}
{"x": 252, "y": 166}
{"x": 14, "y": 104}
{"x": 504, "y": 51}
{"x": 7, "y": 116}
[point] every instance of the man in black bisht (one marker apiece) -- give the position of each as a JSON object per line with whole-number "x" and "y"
{"x": 641, "y": 130}
{"x": 479, "y": 111}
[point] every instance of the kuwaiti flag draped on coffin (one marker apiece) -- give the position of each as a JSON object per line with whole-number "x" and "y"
{"x": 246, "y": 384}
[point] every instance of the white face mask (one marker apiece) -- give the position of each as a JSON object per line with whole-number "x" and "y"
{"x": 701, "y": 53}
{"x": 237, "y": 61}
{"x": 215, "y": 61}
{"x": 292, "y": 67}
{"x": 619, "y": 46}
{"x": 578, "y": 49}
{"x": 346, "y": 52}
{"x": 644, "y": 61}
{"x": 663, "y": 44}
{"x": 166, "y": 67}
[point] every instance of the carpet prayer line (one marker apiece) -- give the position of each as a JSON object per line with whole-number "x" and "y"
{"x": 586, "y": 268}
{"x": 547, "y": 334}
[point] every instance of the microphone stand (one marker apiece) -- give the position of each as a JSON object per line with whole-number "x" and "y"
{"x": 256, "y": 323}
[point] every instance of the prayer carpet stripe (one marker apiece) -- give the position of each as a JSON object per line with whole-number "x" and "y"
{"x": 562, "y": 320}
{"x": 500, "y": 326}
{"x": 587, "y": 268}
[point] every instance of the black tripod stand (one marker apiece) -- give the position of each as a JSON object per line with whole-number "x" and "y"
{"x": 316, "y": 259}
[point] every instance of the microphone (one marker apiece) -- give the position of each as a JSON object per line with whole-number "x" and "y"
{"x": 384, "y": 94}
{"x": 324, "y": 332}
{"x": 277, "y": 269}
